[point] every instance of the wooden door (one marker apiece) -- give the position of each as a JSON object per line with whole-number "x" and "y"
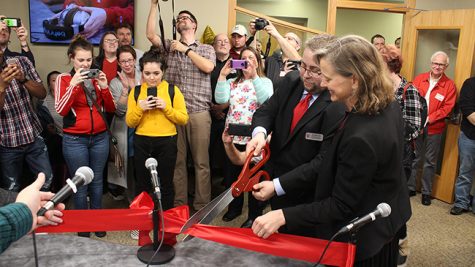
{"x": 452, "y": 31}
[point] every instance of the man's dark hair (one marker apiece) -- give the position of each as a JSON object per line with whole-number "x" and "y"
{"x": 377, "y": 36}
{"x": 49, "y": 76}
{"x": 124, "y": 25}
{"x": 191, "y": 15}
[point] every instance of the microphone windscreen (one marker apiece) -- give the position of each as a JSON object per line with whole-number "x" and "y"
{"x": 384, "y": 209}
{"x": 151, "y": 162}
{"x": 86, "y": 173}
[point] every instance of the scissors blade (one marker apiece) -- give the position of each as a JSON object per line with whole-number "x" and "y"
{"x": 206, "y": 214}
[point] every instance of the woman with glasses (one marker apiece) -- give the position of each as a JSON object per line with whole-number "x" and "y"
{"x": 107, "y": 58}
{"x": 362, "y": 167}
{"x": 245, "y": 94}
{"x": 127, "y": 78}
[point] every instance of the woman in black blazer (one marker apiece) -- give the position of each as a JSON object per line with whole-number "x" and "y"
{"x": 362, "y": 166}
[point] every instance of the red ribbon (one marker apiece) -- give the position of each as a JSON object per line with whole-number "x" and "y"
{"x": 138, "y": 217}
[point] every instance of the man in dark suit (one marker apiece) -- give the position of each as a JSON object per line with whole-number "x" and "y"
{"x": 295, "y": 143}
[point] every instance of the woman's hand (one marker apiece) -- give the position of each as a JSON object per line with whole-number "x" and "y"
{"x": 102, "y": 80}
{"x": 251, "y": 69}
{"x": 269, "y": 223}
{"x": 225, "y": 71}
{"x": 78, "y": 77}
{"x": 160, "y": 103}
{"x": 149, "y": 103}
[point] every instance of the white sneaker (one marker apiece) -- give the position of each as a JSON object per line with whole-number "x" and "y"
{"x": 134, "y": 234}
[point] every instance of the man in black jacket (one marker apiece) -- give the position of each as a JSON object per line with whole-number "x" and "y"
{"x": 295, "y": 143}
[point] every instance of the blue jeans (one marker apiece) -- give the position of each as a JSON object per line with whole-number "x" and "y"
{"x": 89, "y": 151}
{"x": 36, "y": 156}
{"x": 466, "y": 169}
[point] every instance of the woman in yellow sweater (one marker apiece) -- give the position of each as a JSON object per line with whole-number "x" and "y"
{"x": 153, "y": 112}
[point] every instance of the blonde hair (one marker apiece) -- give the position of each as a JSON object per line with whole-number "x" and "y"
{"x": 353, "y": 55}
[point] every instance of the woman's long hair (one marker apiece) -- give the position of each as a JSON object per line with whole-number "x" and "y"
{"x": 260, "y": 71}
{"x": 354, "y": 56}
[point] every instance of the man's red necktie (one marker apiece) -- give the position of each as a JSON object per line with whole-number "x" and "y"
{"x": 299, "y": 110}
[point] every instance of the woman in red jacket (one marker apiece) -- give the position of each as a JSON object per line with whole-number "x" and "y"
{"x": 85, "y": 141}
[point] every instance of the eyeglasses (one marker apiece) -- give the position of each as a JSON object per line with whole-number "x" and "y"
{"x": 311, "y": 71}
{"x": 111, "y": 41}
{"x": 184, "y": 18}
{"x": 441, "y": 65}
{"x": 128, "y": 61}
{"x": 221, "y": 42}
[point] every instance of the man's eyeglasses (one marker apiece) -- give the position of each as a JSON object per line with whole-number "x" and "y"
{"x": 221, "y": 42}
{"x": 441, "y": 65}
{"x": 184, "y": 18}
{"x": 312, "y": 71}
{"x": 111, "y": 41}
{"x": 128, "y": 61}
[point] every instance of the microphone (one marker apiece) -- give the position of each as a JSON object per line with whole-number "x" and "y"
{"x": 83, "y": 176}
{"x": 382, "y": 210}
{"x": 151, "y": 165}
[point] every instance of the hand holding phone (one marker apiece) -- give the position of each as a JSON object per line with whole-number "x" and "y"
{"x": 12, "y": 22}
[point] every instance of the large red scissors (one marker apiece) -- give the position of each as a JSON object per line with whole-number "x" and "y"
{"x": 246, "y": 180}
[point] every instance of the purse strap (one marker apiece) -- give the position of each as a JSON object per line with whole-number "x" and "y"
{"x": 98, "y": 110}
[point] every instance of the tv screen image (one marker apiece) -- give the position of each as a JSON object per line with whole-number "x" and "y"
{"x": 57, "y": 21}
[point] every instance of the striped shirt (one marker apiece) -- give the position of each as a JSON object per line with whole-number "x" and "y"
{"x": 193, "y": 83}
{"x": 19, "y": 124}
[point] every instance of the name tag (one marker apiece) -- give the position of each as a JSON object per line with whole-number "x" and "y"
{"x": 314, "y": 136}
{"x": 439, "y": 97}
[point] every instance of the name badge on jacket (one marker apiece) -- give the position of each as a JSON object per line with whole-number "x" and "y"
{"x": 439, "y": 97}
{"x": 314, "y": 137}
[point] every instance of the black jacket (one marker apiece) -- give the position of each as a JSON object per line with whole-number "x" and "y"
{"x": 361, "y": 168}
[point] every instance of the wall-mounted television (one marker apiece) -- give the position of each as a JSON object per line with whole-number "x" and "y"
{"x": 57, "y": 21}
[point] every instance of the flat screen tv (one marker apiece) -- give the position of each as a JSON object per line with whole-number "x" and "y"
{"x": 57, "y": 21}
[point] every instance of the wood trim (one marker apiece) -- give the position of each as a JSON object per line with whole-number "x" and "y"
{"x": 275, "y": 21}
{"x": 331, "y": 16}
{"x": 232, "y": 4}
{"x": 373, "y": 6}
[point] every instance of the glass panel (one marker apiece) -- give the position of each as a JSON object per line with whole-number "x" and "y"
{"x": 428, "y": 42}
{"x": 368, "y": 23}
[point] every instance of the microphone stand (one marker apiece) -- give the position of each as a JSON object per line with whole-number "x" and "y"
{"x": 156, "y": 253}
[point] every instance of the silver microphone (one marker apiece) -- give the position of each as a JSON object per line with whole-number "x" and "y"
{"x": 382, "y": 210}
{"x": 151, "y": 165}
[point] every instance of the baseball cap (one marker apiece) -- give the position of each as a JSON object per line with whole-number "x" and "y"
{"x": 239, "y": 29}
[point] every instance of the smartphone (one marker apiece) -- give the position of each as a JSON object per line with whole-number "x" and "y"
{"x": 238, "y": 64}
{"x": 12, "y": 22}
{"x": 239, "y": 129}
{"x": 152, "y": 91}
{"x": 93, "y": 73}
{"x": 13, "y": 61}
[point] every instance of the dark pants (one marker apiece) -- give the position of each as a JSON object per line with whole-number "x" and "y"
{"x": 36, "y": 157}
{"x": 386, "y": 257}
{"x": 216, "y": 147}
{"x": 164, "y": 150}
{"x": 231, "y": 173}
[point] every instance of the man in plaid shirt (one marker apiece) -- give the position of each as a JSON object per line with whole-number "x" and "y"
{"x": 189, "y": 66}
{"x": 20, "y": 128}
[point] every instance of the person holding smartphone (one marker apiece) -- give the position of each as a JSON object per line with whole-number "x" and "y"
{"x": 78, "y": 94}
{"x": 154, "y": 114}
{"x": 245, "y": 94}
{"x": 22, "y": 34}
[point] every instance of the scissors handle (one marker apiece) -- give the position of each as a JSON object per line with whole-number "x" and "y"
{"x": 251, "y": 176}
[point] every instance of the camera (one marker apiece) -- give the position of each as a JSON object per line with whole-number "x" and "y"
{"x": 293, "y": 64}
{"x": 238, "y": 64}
{"x": 93, "y": 73}
{"x": 260, "y": 24}
{"x": 12, "y": 22}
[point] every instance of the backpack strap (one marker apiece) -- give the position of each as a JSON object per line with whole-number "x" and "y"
{"x": 137, "y": 92}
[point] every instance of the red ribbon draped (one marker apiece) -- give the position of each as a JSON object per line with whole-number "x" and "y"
{"x": 139, "y": 217}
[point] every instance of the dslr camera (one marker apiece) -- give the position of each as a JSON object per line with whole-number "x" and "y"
{"x": 93, "y": 73}
{"x": 260, "y": 24}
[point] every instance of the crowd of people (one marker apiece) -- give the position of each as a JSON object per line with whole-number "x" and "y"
{"x": 345, "y": 129}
